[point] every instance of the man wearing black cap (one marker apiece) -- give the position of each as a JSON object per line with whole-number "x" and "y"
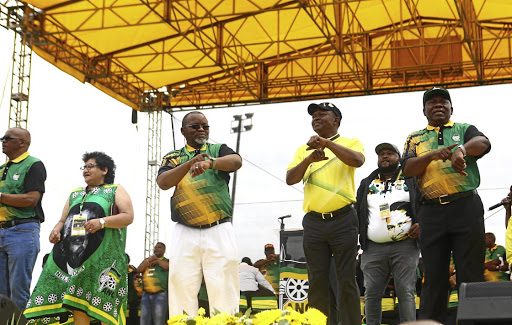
{"x": 386, "y": 207}
{"x": 443, "y": 156}
{"x": 326, "y": 165}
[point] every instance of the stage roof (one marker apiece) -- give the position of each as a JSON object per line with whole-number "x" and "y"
{"x": 184, "y": 54}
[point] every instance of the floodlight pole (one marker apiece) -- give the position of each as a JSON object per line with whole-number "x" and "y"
{"x": 238, "y": 129}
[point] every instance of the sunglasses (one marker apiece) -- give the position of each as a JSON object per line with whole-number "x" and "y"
{"x": 205, "y": 127}
{"x": 7, "y": 138}
{"x": 88, "y": 167}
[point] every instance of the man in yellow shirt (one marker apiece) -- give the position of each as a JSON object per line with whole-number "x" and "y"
{"x": 326, "y": 165}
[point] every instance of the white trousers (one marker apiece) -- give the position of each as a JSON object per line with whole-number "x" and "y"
{"x": 211, "y": 253}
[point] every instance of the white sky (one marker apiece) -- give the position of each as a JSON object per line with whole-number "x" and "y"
{"x": 68, "y": 118}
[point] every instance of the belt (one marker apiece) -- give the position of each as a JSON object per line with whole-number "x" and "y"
{"x": 448, "y": 198}
{"x": 211, "y": 224}
{"x": 14, "y": 222}
{"x": 331, "y": 215}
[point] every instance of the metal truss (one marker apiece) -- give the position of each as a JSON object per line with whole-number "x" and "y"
{"x": 152, "y": 191}
{"x": 13, "y": 18}
{"x": 206, "y": 54}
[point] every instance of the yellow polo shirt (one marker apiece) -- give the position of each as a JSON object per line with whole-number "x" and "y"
{"x": 329, "y": 184}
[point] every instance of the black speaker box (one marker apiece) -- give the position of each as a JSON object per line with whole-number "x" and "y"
{"x": 9, "y": 313}
{"x": 483, "y": 303}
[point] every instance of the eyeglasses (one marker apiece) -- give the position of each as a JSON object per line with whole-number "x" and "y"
{"x": 88, "y": 167}
{"x": 7, "y": 138}
{"x": 205, "y": 127}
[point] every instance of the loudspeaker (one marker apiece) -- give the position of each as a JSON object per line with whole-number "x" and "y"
{"x": 9, "y": 313}
{"x": 482, "y": 303}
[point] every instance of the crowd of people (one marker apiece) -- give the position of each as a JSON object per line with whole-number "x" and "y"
{"x": 422, "y": 200}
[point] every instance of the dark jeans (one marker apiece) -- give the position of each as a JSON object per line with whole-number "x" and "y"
{"x": 261, "y": 292}
{"x": 456, "y": 227}
{"x": 336, "y": 237}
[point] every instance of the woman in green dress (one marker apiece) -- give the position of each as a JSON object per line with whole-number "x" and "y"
{"x": 86, "y": 273}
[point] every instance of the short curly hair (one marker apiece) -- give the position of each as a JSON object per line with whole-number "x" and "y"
{"x": 104, "y": 161}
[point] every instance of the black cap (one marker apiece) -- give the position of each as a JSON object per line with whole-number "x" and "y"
{"x": 386, "y": 145}
{"x": 436, "y": 91}
{"x": 324, "y": 106}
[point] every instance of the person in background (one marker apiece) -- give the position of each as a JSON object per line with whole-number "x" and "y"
{"x": 132, "y": 315}
{"x": 496, "y": 265}
{"x": 155, "y": 274}
{"x": 252, "y": 282}
{"x": 388, "y": 228}
{"x": 269, "y": 266}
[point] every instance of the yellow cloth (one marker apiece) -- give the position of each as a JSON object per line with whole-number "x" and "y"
{"x": 329, "y": 184}
{"x": 508, "y": 241}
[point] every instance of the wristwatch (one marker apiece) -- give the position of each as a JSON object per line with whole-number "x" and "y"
{"x": 213, "y": 159}
{"x": 102, "y": 222}
{"x": 463, "y": 149}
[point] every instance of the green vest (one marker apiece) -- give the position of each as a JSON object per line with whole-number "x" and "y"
{"x": 14, "y": 183}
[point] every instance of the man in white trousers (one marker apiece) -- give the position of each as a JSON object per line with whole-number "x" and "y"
{"x": 203, "y": 242}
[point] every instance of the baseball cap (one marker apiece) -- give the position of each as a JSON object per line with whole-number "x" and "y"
{"x": 269, "y": 246}
{"x": 324, "y": 106}
{"x": 436, "y": 91}
{"x": 386, "y": 145}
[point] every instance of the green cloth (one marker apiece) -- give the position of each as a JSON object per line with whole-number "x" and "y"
{"x": 86, "y": 273}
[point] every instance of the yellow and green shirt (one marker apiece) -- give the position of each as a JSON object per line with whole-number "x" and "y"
{"x": 155, "y": 278}
{"x": 491, "y": 254}
{"x": 204, "y": 199}
{"x": 439, "y": 177}
{"x": 329, "y": 184}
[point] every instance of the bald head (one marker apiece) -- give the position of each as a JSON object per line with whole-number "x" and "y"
{"x": 15, "y": 142}
{"x": 185, "y": 118}
{"x": 22, "y": 134}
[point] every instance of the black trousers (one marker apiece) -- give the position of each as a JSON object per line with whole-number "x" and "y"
{"x": 337, "y": 238}
{"x": 261, "y": 292}
{"x": 456, "y": 227}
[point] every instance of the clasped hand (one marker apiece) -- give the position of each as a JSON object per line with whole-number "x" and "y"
{"x": 456, "y": 157}
{"x": 317, "y": 143}
{"x": 198, "y": 164}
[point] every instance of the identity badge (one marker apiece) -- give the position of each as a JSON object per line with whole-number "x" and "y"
{"x": 78, "y": 225}
{"x": 385, "y": 211}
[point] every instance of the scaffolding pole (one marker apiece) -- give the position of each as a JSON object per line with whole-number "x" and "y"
{"x": 17, "y": 19}
{"x": 152, "y": 189}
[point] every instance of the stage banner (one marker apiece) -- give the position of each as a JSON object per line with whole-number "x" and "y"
{"x": 293, "y": 277}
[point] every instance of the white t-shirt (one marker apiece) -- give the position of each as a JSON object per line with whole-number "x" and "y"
{"x": 395, "y": 226}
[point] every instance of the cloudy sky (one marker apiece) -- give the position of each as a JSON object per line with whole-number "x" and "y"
{"x": 68, "y": 118}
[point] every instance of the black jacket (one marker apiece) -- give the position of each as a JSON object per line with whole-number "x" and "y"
{"x": 362, "y": 204}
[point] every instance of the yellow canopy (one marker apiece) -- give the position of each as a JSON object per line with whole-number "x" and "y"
{"x": 180, "y": 54}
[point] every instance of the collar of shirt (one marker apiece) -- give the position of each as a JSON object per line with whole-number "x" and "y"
{"x": 335, "y": 137}
{"x": 20, "y": 157}
{"x": 192, "y": 152}
{"x": 436, "y": 128}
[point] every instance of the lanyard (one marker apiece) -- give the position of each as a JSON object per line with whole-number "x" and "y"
{"x": 85, "y": 196}
{"x": 392, "y": 180}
